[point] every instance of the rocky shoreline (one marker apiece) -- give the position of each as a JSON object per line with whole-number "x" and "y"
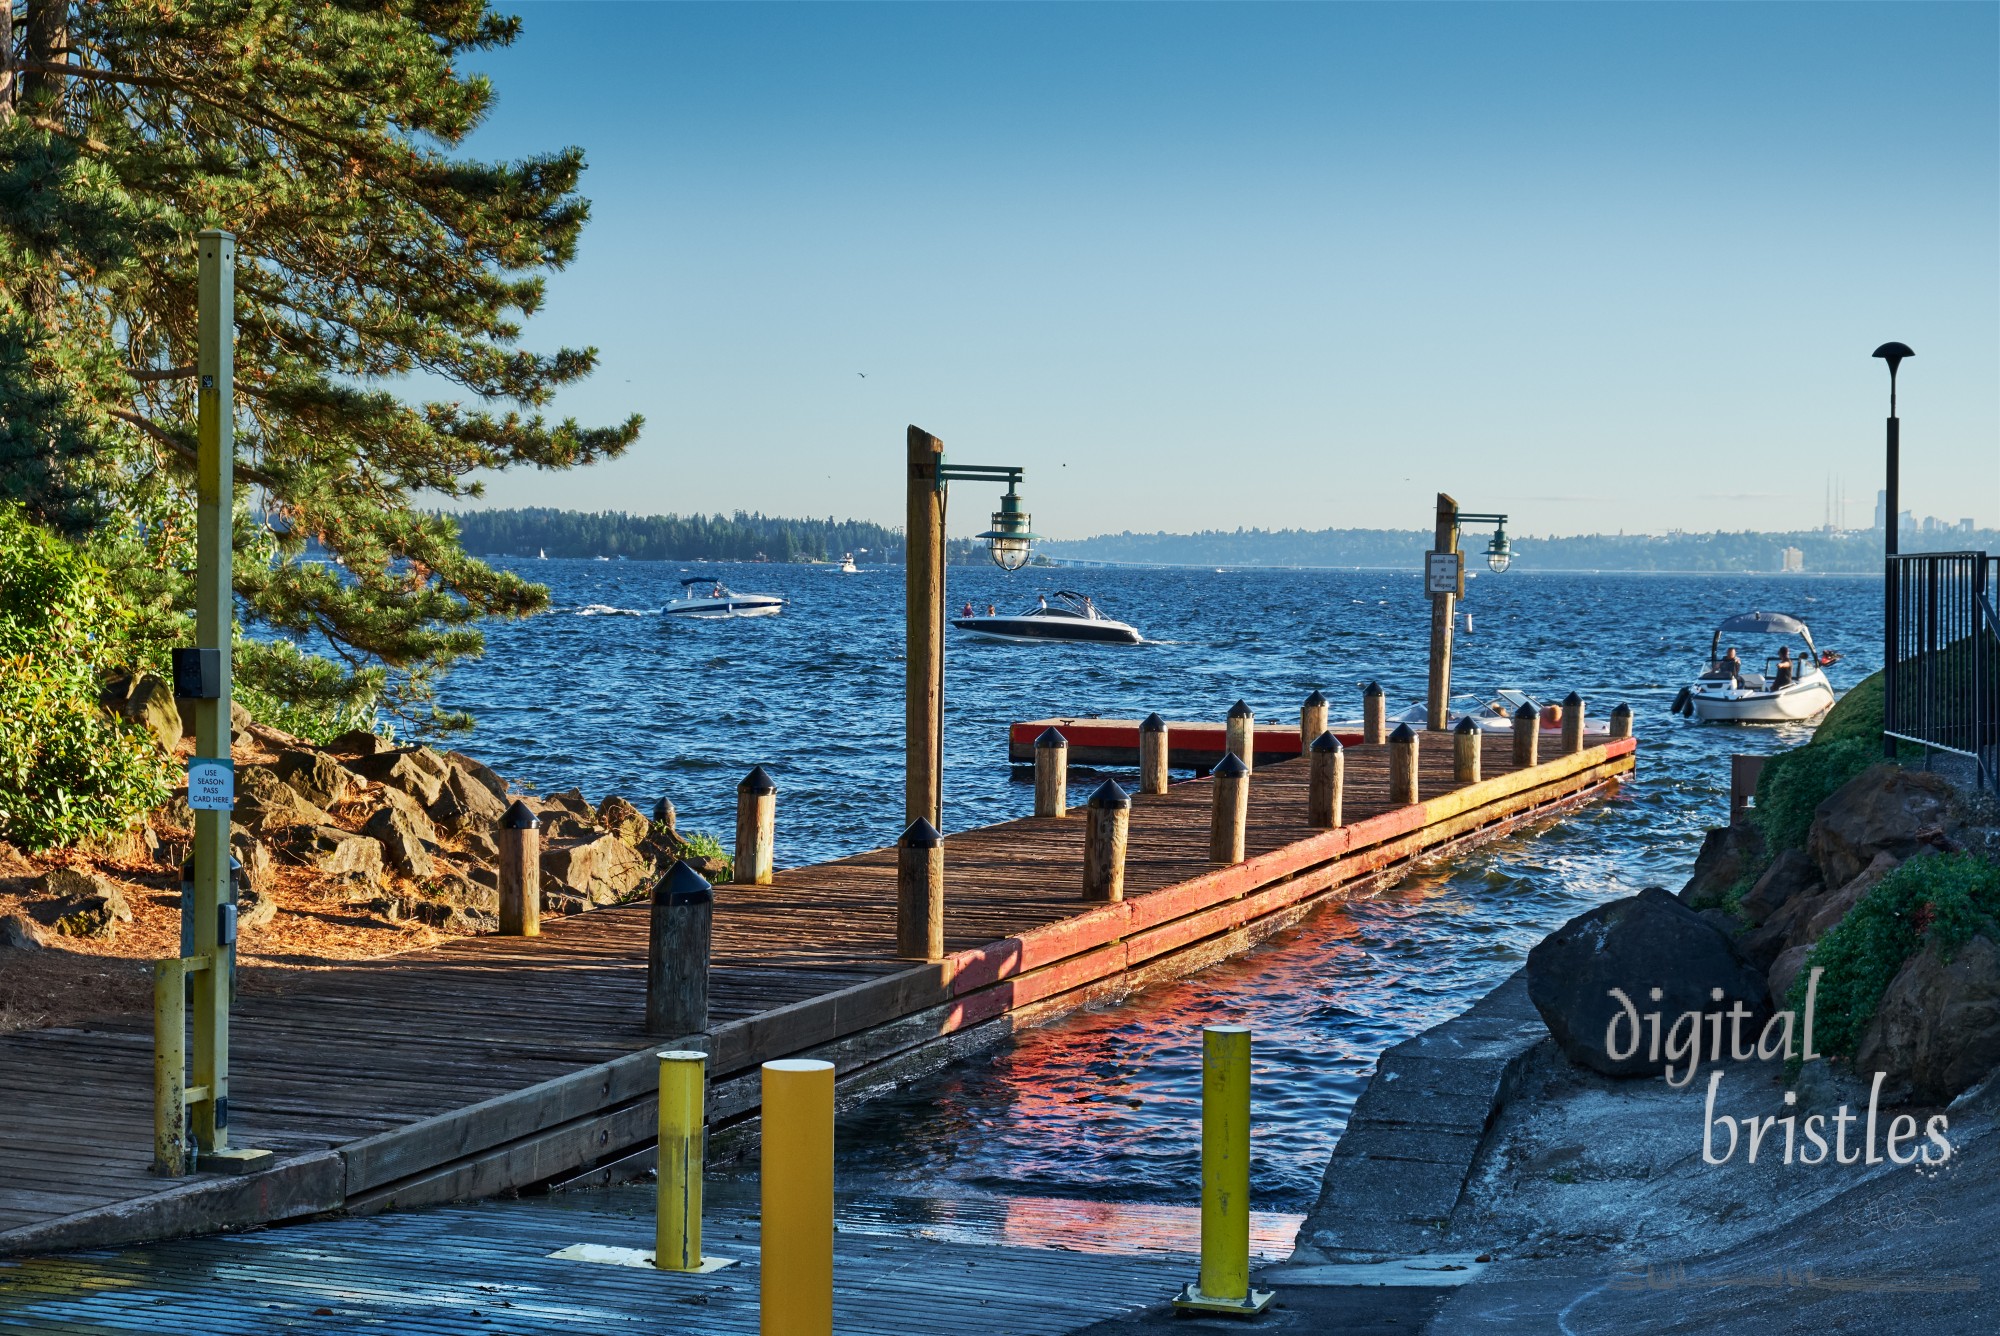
{"x": 353, "y": 849}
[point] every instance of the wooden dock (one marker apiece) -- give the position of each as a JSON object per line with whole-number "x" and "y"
{"x": 496, "y": 1063}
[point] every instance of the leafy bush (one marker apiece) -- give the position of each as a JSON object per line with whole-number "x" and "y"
{"x": 68, "y": 769}
{"x": 1858, "y": 714}
{"x": 701, "y": 844}
{"x": 1796, "y": 782}
{"x": 1935, "y": 898}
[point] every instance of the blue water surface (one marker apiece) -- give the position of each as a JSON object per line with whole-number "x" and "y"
{"x": 606, "y": 695}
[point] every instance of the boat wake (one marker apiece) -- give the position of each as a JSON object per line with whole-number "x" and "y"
{"x": 606, "y": 610}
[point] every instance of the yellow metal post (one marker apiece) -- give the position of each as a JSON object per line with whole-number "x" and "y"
{"x": 1224, "y": 1284}
{"x": 796, "y": 1278}
{"x": 677, "y": 1233}
{"x": 169, "y": 1067}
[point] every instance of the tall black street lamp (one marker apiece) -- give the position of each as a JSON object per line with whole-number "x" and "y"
{"x": 1893, "y": 354}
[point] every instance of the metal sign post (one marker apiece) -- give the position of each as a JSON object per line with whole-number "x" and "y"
{"x": 208, "y": 904}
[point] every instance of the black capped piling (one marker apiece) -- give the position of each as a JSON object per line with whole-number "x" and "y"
{"x": 1326, "y": 777}
{"x": 920, "y": 892}
{"x": 1051, "y": 774}
{"x": 520, "y": 841}
{"x": 1107, "y": 817}
{"x": 677, "y": 953}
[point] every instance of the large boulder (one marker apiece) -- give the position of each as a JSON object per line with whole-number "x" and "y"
{"x": 1823, "y": 912}
{"x": 266, "y": 804}
{"x": 253, "y": 854}
{"x": 147, "y": 701}
{"x": 1791, "y": 873}
{"x": 603, "y": 870}
{"x": 356, "y": 742}
{"x": 1936, "y": 1031}
{"x": 401, "y": 844}
{"x": 335, "y": 852}
{"x": 624, "y": 820}
{"x": 404, "y": 769}
{"x": 481, "y": 775}
{"x": 255, "y": 910}
{"x": 1728, "y": 854}
{"x": 1645, "y": 941}
{"x": 315, "y": 776}
{"x": 1884, "y": 809}
{"x": 465, "y": 804}
{"x": 411, "y": 810}
{"x": 84, "y": 904}
{"x": 18, "y": 932}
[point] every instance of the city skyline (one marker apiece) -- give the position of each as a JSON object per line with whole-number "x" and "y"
{"x": 1197, "y": 267}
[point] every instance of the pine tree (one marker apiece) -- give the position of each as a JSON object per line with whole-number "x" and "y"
{"x": 320, "y": 133}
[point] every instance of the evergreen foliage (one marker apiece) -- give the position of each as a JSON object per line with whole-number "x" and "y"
{"x": 1933, "y": 899}
{"x": 319, "y": 132}
{"x": 68, "y": 769}
{"x": 740, "y": 537}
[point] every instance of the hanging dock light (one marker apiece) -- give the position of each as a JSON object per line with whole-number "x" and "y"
{"x": 1010, "y": 538}
{"x": 1499, "y": 554}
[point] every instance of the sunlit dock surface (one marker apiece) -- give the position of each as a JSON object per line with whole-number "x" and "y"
{"x": 495, "y": 1064}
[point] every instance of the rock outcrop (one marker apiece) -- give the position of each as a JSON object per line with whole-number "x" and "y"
{"x": 1884, "y": 809}
{"x": 1646, "y": 941}
{"x": 1936, "y": 1031}
{"x": 147, "y": 701}
{"x": 1728, "y": 854}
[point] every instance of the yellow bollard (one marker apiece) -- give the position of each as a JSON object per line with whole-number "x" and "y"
{"x": 795, "y": 1279}
{"x": 1224, "y": 1286}
{"x": 677, "y": 1231}
{"x": 170, "y": 1143}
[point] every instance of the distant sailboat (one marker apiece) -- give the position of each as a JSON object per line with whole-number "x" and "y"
{"x": 541, "y": 554}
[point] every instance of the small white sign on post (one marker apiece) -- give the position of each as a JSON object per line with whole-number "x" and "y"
{"x": 1441, "y": 572}
{"x": 211, "y": 784}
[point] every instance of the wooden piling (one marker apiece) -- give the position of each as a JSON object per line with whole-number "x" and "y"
{"x": 1465, "y": 741}
{"x": 920, "y": 892}
{"x": 1241, "y": 734}
{"x": 1325, "y": 780}
{"x": 677, "y": 953}
{"x": 1108, "y": 817}
{"x": 1374, "y": 715}
{"x": 1153, "y": 755}
{"x": 1403, "y": 766}
{"x": 756, "y": 827}
{"x": 664, "y": 815}
{"x": 1231, "y": 811}
{"x": 1621, "y": 721}
{"x": 520, "y": 840}
{"x": 1312, "y": 719}
{"x": 1527, "y": 736}
{"x": 1572, "y": 724}
{"x": 1051, "y": 774}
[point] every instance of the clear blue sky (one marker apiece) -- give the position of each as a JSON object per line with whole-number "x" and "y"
{"x": 1599, "y": 265}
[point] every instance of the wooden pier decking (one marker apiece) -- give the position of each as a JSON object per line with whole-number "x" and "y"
{"x": 496, "y": 1063}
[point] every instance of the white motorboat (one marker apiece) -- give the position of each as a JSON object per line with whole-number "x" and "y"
{"x": 705, "y": 596}
{"x": 847, "y": 566}
{"x": 1071, "y": 617}
{"x": 1783, "y": 688}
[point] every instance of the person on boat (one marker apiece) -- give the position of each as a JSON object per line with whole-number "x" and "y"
{"x": 968, "y": 609}
{"x": 717, "y": 591}
{"x": 1044, "y": 600}
{"x": 1731, "y": 665}
{"x": 1784, "y": 667}
{"x": 1089, "y": 608}
{"x": 992, "y": 611}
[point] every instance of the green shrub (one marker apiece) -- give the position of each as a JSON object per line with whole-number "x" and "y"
{"x": 1858, "y": 714}
{"x": 1796, "y": 782}
{"x": 701, "y": 844}
{"x": 68, "y": 769}
{"x": 1935, "y": 898}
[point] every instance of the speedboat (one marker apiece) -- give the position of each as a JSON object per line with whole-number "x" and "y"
{"x": 1787, "y": 688}
{"x": 1063, "y": 615}
{"x": 847, "y": 566}
{"x": 706, "y": 596}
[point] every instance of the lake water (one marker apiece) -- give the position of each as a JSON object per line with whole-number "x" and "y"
{"x": 605, "y": 695}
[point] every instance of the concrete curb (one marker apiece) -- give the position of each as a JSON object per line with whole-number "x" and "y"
{"x": 1409, "y": 1146}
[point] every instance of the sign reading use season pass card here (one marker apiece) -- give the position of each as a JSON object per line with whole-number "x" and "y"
{"x": 211, "y": 784}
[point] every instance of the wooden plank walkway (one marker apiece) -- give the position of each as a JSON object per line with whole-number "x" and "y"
{"x": 899, "y": 1268}
{"x": 496, "y": 1063}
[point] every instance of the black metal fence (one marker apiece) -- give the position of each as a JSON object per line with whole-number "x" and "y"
{"x": 1941, "y": 680}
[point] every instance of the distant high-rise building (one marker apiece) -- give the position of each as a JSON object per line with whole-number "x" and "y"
{"x": 1881, "y": 510}
{"x": 1791, "y": 561}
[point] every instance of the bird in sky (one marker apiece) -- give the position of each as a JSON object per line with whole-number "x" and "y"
{"x": 862, "y": 374}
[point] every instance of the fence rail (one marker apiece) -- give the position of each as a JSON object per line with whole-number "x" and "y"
{"x": 1941, "y": 686}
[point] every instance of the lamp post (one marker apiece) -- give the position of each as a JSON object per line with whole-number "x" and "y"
{"x": 1009, "y": 540}
{"x": 1893, "y": 354}
{"x": 1444, "y": 581}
